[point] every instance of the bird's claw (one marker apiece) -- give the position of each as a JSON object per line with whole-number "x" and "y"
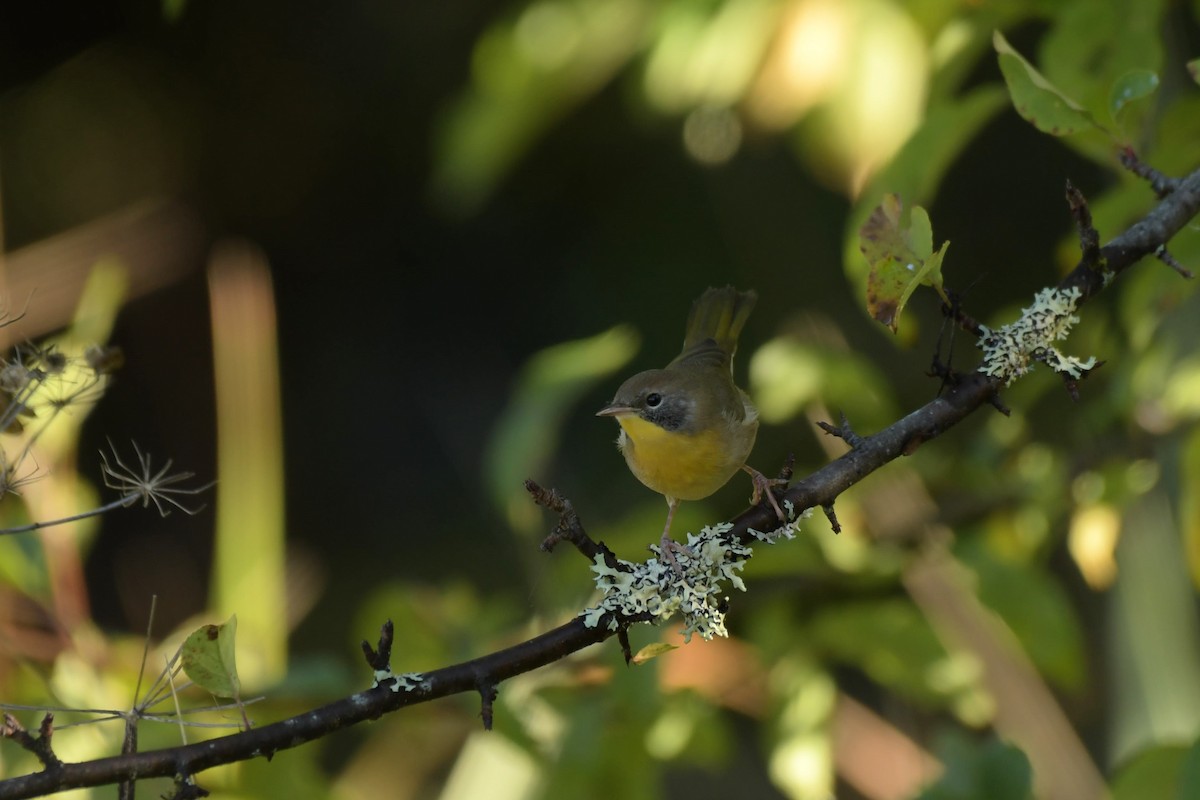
{"x": 668, "y": 547}
{"x": 764, "y": 486}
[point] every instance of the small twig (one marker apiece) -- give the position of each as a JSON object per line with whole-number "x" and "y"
{"x": 842, "y": 431}
{"x": 961, "y": 318}
{"x": 1072, "y": 384}
{"x": 1164, "y": 256}
{"x": 951, "y": 312}
{"x": 1160, "y": 183}
{"x": 626, "y": 649}
{"x": 170, "y": 678}
{"x": 126, "y": 789}
{"x": 137, "y": 689}
{"x": 949, "y": 376}
{"x": 569, "y": 528}
{"x": 831, "y": 516}
{"x": 164, "y": 684}
{"x": 121, "y": 502}
{"x": 381, "y": 660}
{"x": 186, "y": 788}
{"x": 1089, "y": 237}
{"x": 40, "y": 745}
{"x": 487, "y": 698}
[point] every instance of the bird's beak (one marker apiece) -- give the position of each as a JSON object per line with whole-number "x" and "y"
{"x": 615, "y": 410}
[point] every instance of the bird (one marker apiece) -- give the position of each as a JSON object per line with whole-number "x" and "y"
{"x": 687, "y": 429}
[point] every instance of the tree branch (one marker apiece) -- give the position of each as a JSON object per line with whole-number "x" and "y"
{"x": 821, "y": 488}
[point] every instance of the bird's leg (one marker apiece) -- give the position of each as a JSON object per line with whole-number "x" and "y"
{"x": 763, "y": 486}
{"x": 668, "y": 547}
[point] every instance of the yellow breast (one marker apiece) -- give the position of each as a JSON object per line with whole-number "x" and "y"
{"x": 684, "y": 466}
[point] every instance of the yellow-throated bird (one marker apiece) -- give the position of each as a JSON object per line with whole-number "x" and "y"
{"x": 687, "y": 428}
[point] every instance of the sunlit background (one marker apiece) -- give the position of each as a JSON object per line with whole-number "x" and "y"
{"x": 372, "y": 264}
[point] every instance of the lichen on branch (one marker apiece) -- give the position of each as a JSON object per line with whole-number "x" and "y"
{"x": 654, "y": 591}
{"x": 1012, "y": 350}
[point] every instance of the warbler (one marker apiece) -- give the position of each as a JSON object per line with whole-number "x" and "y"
{"x": 687, "y": 428}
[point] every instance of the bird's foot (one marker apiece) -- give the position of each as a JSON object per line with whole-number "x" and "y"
{"x": 764, "y": 486}
{"x": 668, "y": 548}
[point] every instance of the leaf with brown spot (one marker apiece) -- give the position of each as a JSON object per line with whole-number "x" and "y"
{"x": 901, "y": 256}
{"x": 208, "y": 658}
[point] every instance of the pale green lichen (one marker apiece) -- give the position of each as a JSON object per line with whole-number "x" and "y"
{"x": 404, "y": 682}
{"x": 1012, "y": 350}
{"x": 787, "y": 531}
{"x": 654, "y": 591}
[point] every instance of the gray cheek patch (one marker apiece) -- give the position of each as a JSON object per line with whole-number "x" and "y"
{"x": 675, "y": 414}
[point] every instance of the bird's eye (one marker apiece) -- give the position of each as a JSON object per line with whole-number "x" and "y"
{"x": 653, "y": 400}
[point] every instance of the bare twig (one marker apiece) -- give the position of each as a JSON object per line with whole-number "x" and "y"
{"x": 1160, "y": 183}
{"x": 39, "y": 745}
{"x": 380, "y": 660}
{"x": 1164, "y": 256}
{"x": 569, "y": 528}
{"x": 1089, "y": 237}
{"x": 842, "y": 431}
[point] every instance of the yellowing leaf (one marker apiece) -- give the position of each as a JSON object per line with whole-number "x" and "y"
{"x": 652, "y": 651}
{"x": 901, "y": 257}
{"x": 208, "y": 658}
{"x": 1035, "y": 98}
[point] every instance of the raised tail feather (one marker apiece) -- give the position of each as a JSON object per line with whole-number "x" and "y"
{"x": 714, "y": 324}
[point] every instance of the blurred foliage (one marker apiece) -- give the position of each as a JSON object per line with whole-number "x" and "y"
{"x": 547, "y": 388}
{"x": 992, "y": 769}
{"x": 249, "y": 573}
{"x": 1076, "y": 528}
{"x": 1013, "y": 490}
{"x": 1168, "y": 771}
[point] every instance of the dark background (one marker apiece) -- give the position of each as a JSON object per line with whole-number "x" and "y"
{"x": 309, "y": 129}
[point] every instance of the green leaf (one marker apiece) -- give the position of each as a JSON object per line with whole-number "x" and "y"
{"x": 208, "y": 658}
{"x": 994, "y": 769}
{"x": 1193, "y": 68}
{"x": 1151, "y": 773}
{"x": 1189, "y": 774}
{"x": 920, "y": 232}
{"x": 1091, "y": 43}
{"x": 1133, "y": 85}
{"x": 528, "y": 71}
{"x": 887, "y": 639}
{"x": 1005, "y": 772}
{"x": 917, "y": 170}
{"x": 901, "y": 258}
{"x": 792, "y": 371}
{"x": 1035, "y": 98}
